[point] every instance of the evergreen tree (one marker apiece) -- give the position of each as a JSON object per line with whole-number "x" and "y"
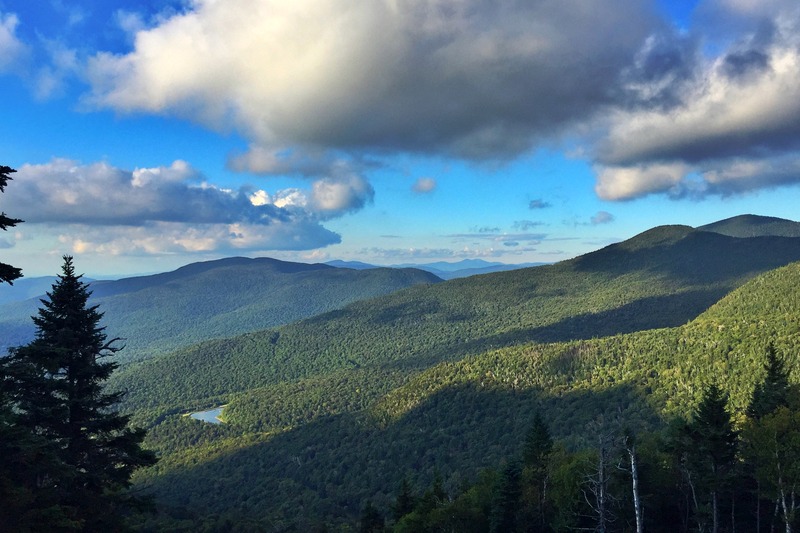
{"x": 56, "y": 386}
{"x": 773, "y": 392}
{"x": 536, "y": 455}
{"x": 768, "y": 396}
{"x": 506, "y": 501}
{"x": 17, "y": 447}
{"x": 8, "y": 273}
{"x": 709, "y": 445}
{"x": 538, "y": 443}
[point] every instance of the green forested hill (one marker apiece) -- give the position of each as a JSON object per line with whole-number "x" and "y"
{"x": 663, "y": 277}
{"x": 329, "y": 412}
{"x": 159, "y": 313}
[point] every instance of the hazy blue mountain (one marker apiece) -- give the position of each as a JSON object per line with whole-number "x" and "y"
{"x": 25, "y": 288}
{"x": 444, "y": 269}
{"x": 356, "y": 265}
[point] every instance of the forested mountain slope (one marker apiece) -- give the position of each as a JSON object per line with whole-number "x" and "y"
{"x": 159, "y": 313}
{"x": 663, "y": 277}
{"x": 319, "y": 445}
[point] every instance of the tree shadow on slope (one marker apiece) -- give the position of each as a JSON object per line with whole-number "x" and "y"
{"x": 328, "y": 468}
{"x": 642, "y": 314}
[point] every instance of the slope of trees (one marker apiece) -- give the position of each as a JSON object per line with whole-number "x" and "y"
{"x": 351, "y": 440}
{"x": 664, "y": 277}
{"x": 72, "y": 455}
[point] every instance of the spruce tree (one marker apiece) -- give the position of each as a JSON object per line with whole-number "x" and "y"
{"x": 506, "y": 500}
{"x": 709, "y": 448}
{"x": 536, "y": 456}
{"x": 8, "y": 273}
{"x": 57, "y": 390}
{"x": 773, "y": 391}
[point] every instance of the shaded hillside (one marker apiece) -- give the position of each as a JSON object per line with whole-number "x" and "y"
{"x": 155, "y": 314}
{"x": 319, "y": 447}
{"x": 661, "y": 278}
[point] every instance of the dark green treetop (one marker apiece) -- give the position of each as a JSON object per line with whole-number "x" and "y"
{"x": 773, "y": 392}
{"x": 506, "y": 500}
{"x": 538, "y": 443}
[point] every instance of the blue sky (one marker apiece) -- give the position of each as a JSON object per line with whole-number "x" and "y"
{"x": 148, "y": 135}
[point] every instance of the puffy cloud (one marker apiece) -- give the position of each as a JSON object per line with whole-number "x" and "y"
{"x": 64, "y": 191}
{"x": 11, "y": 48}
{"x": 735, "y": 124}
{"x": 333, "y": 196}
{"x": 475, "y": 79}
{"x": 756, "y": 109}
{"x": 657, "y": 110}
{"x": 171, "y": 238}
{"x": 174, "y": 209}
{"x": 100, "y": 194}
{"x": 424, "y": 185}
{"x": 624, "y": 183}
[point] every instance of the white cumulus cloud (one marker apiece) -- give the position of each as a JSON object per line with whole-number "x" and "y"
{"x": 174, "y": 208}
{"x": 477, "y": 79}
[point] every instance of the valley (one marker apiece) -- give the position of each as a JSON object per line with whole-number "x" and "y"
{"x": 416, "y": 380}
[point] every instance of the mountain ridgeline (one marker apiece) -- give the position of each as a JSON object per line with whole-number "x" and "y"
{"x": 661, "y": 278}
{"x": 158, "y": 313}
{"x": 336, "y": 409}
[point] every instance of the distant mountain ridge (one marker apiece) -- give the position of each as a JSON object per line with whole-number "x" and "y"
{"x": 25, "y": 288}
{"x": 218, "y": 298}
{"x": 444, "y": 269}
{"x": 754, "y": 226}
